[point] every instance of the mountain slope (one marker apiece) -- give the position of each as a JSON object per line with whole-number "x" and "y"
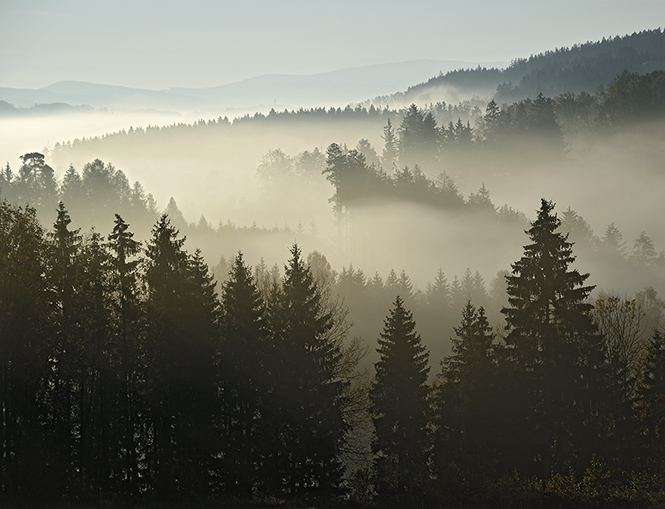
{"x": 583, "y": 67}
{"x": 335, "y": 88}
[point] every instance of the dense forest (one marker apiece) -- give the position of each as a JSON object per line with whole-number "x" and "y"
{"x": 580, "y": 68}
{"x": 127, "y": 376}
{"x": 365, "y": 181}
{"x": 388, "y": 340}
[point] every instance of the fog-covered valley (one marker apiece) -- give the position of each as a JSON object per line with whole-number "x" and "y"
{"x": 212, "y": 170}
{"x": 450, "y": 295}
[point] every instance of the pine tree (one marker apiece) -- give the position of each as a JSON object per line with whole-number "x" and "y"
{"x": 398, "y": 401}
{"x": 556, "y": 354}
{"x": 489, "y": 124}
{"x": 180, "y": 375}
{"x": 418, "y": 138}
{"x": 94, "y": 405}
{"x": 25, "y": 353}
{"x": 241, "y": 376}
{"x": 306, "y": 417}
{"x": 466, "y": 397}
{"x": 66, "y": 361}
{"x": 126, "y": 313}
{"x": 71, "y": 190}
{"x": 389, "y": 155}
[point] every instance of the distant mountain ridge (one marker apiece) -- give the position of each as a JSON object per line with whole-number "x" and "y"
{"x": 334, "y": 88}
{"x": 582, "y": 67}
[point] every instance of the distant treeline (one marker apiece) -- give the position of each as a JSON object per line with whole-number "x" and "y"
{"x": 580, "y": 68}
{"x": 94, "y": 193}
{"x": 458, "y": 138}
{"x": 9, "y": 110}
{"x": 126, "y": 377}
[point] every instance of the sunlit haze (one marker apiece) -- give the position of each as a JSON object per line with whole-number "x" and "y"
{"x": 356, "y": 254}
{"x": 200, "y": 43}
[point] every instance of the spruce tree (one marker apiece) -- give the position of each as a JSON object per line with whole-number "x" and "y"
{"x": 241, "y": 376}
{"x": 93, "y": 407}
{"x": 389, "y": 154}
{"x": 306, "y": 410}
{"x": 25, "y": 353}
{"x": 466, "y": 398}
{"x": 66, "y": 355}
{"x": 398, "y": 401}
{"x": 126, "y": 313}
{"x": 180, "y": 371}
{"x": 555, "y": 352}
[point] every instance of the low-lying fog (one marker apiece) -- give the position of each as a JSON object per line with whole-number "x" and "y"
{"x": 615, "y": 179}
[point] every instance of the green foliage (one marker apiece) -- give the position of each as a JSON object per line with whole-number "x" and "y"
{"x": 553, "y": 347}
{"x": 633, "y": 96}
{"x": 304, "y": 425}
{"x": 398, "y": 398}
{"x": 241, "y": 363}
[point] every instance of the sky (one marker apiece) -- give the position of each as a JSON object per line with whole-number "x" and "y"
{"x": 159, "y": 44}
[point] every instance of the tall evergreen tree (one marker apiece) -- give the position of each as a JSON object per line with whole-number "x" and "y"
{"x": 305, "y": 415}
{"x": 94, "y": 404}
{"x": 126, "y": 313}
{"x": 418, "y": 138}
{"x": 181, "y": 352}
{"x": 25, "y": 353}
{"x": 389, "y": 154}
{"x": 66, "y": 356}
{"x": 398, "y": 401}
{"x": 241, "y": 376}
{"x": 555, "y": 351}
{"x": 466, "y": 398}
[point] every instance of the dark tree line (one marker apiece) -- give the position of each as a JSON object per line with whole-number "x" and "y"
{"x": 94, "y": 193}
{"x": 358, "y": 183}
{"x": 523, "y": 132}
{"x": 580, "y": 68}
{"x": 544, "y": 400}
{"x": 126, "y": 375}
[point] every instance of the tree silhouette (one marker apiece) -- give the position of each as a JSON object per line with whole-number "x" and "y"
{"x": 398, "y": 398}
{"x": 305, "y": 419}
{"x": 466, "y": 398}
{"x": 242, "y": 378}
{"x": 556, "y": 353}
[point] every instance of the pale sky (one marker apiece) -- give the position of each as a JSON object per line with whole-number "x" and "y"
{"x": 158, "y": 44}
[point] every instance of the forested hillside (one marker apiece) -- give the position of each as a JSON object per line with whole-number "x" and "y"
{"x": 127, "y": 377}
{"x": 580, "y": 68}
{"x": 374, "y": 310}
{"x": 359, "y": 205}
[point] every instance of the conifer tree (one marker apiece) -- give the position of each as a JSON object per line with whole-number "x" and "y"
{"x": 126, "y": 322}
{"x": 489, "y": 124}
{"x": 418, "y": 138}
{"x": 180, "y": 374}
{"x": 398, "y": 401}
{"x": 556, "y": 352}
{"x": 466, "y": 397}
{"x": 66, "y": 361}
{"x": 25, "y": 353}
{"x": 389, "y": 154}
{"x": 305, "y": 415}
{"x": 93, "y": 407}
{"x": 241, "y": 376}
